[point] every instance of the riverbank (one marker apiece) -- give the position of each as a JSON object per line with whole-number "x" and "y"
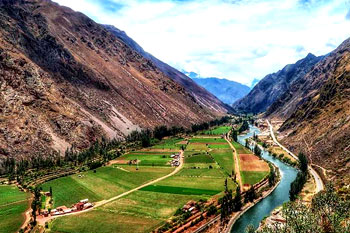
{"x": 245, "y": 208}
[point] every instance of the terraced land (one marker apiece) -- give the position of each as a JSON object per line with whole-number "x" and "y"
{"x": 13, "y": 203}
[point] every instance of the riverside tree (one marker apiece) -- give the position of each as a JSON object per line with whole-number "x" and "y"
{"x": 328, "y": 214}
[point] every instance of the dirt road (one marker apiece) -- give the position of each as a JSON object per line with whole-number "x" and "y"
{"x": 318, "y": 180}
{"x": 235, "y": 158}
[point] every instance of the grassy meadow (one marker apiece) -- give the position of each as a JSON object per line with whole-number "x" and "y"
{"x": 13, "y": 203}
{"x": 220, "y": 130}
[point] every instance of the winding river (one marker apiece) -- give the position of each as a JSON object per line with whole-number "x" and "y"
{"x": 279, "y": 196}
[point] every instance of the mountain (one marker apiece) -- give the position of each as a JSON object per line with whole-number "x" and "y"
{"x": 227, "y": 91}
{"x": 67, "y": 81}
{"x": 272, "y": 86}
{"x": 202, "y": 96}
{"x": 317, "y": 113}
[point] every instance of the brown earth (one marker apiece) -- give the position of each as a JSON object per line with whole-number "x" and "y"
{"x": 250, "y": 162}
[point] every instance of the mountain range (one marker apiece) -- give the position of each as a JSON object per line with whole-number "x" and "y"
{"x": 312, "y": 98}
{"x": 226, "y": 90}
{"x": 67, "y": 81}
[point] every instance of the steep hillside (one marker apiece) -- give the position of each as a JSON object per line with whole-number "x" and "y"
{"x": 66, "y": 80}
{"x": 318, "y": 107}
{"x": 227, "y": 91}
{"x": 202, "y": 95}
{"x": 272, "y": 86}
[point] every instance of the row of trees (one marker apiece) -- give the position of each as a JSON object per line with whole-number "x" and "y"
{"x": 299, "y": 182}
{"x": 100, "y": 150}
{"x": 230, "y": 204}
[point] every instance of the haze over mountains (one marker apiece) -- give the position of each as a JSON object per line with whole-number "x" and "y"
{"x": 226, "y": 90}
{"x": 67, "y": 81}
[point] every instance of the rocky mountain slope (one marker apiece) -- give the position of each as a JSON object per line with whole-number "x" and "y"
{"x": 66, "y": 80}
{"x": 272, "y": 86}
{"x": 227, "y": 91}
{"x": 317, "y": 113}
{"x": 201, "y": 94}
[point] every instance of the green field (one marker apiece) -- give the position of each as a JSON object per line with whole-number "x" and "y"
{"x": 141, "y": 211}
{"x": 13, "y": 204}
{"x": 179, "y": 190}
{"x": 104, "y": 184}
{"x": 170, "y": 143}
{"x": 146, "y": 209}
{"x": 252, "y": 177}
{"x": 149, "y": 159}
{"x": 207, "y": 140}
{"x": 224, "y": 158}
{"x": 200, "y": 158}
{"x": 218, "y": 130}
{"x": 241, "y": 149}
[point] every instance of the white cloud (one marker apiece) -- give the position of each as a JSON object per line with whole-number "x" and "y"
{"x": 237, "y": 40}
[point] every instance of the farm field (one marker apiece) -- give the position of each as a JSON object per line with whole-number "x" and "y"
{"x": 251, "y": 177}
{"x": 147, "y": 158}
{"x": 252, "y": 168}
{"x": 224, "y": 158}
{"x": 208, "y": 163}
{"x": 141, "y": 211}
{"x": 13, "y": 203}
{"x": 218, "y": 130}
{"x": 104, "y": 184}
{"x": 170, "y": 144}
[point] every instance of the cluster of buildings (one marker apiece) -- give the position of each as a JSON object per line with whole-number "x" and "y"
{"x": 61, "y": 210}
{"x": 189, "y": 207}
{"x": 175, "y": 162}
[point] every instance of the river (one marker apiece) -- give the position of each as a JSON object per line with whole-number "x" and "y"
{"x": 279, "y": 196}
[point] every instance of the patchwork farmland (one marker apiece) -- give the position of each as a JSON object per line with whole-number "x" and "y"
{"x": 208, "y": 162}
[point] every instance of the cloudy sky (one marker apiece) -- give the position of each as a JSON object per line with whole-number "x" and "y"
{"x": 234, "y": 39}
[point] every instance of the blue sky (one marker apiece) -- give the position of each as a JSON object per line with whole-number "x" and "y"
{"x": 234, "y": 39}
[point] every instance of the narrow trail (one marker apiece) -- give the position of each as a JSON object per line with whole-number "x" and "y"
{"x": 236, "y": 163}
{"x": 42, "y": 221}
{"x": 318, "y": 180}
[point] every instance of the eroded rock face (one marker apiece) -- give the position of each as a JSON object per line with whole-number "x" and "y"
{"x": 66, "y": 80}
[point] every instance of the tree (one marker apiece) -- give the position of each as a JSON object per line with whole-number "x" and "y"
{"x": 257, "y": 150}
{"x": 234, "y": 135}
{"x": 297, "y": 185}
{"x": 303, "y": 162}
{"x": 50, "y": 191}
{"x": 250, "y": 195}
{"x": 237, "y": 201}
{"x": 272, "y": 176}
{"x": 328, "y": 214}
{"x": 160, "y": 132}
{"x": 244, "y": 127}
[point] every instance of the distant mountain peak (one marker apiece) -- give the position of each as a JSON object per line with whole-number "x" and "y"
{"x": 226, "y": 90}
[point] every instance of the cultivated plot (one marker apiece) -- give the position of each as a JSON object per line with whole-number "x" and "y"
{"x": 13, "y": 204}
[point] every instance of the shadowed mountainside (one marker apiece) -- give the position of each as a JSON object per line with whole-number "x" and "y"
{"x": 272, "y": 86}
